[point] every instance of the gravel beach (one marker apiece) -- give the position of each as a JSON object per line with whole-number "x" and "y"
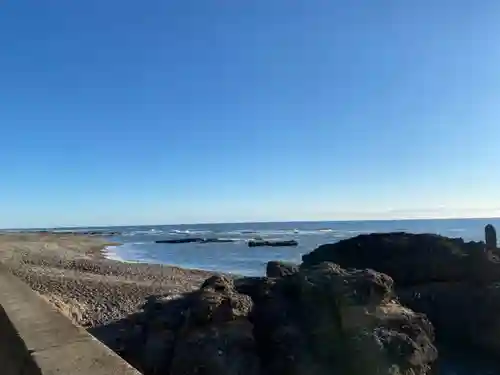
{"x": 71, "y": 272}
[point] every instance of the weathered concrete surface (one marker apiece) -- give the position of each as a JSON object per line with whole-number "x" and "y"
{"x": 35, "y": 339}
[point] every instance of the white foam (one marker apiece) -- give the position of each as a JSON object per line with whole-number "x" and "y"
{"x": 123, "y": 253}
{"x": 110, "y": 253}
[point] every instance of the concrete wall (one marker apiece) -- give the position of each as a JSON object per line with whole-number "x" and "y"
{"x": 35, "y": 339}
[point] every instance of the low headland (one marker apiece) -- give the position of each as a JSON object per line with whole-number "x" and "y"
{"x": 375, "y": 304}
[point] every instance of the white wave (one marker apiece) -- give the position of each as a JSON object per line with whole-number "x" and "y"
{"x": 190, "y": 231}
{"x": 125, "y": 253}
{"x": 176, "y": 231}
{"x": 152, "y": 232}
{"x": 110, "y": 253}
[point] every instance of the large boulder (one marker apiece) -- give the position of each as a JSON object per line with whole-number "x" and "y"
{"x": 319, "y": 320}
{"x": 326, "y": 319}
{"x": 276, "y": 268}
{"x": 412, "y": 258}
{"x": 455, "y": 283}
{"x": 463, "y": 313}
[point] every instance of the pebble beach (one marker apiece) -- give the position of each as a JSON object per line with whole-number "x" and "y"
{"x": 71, "y": 272}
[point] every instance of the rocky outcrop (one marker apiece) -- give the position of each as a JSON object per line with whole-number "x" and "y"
{"x": 279, "y": 269}
{"x": 455, "y": 283}
{"x": 412, "y": 258}
{"x": 318, "y": 320}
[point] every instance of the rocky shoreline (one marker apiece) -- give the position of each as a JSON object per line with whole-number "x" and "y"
{"x": 372, "y": 304}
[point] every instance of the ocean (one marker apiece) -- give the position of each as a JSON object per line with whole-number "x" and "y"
{"x": 138, "y": 242}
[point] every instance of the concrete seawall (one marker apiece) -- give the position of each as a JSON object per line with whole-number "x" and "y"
{"x": 35, "y": 339}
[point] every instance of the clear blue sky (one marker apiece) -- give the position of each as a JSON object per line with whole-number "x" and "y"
{"x": 130, "y": 112}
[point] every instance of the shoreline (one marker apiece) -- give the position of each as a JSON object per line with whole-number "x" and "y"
{"x": 73, "y": 273}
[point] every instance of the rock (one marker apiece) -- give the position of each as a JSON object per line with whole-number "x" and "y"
{"x": 227, "y": 349}
{"x": 157, "y": 352}
{"x": 455, "y": 283}
{"x": 282, "y": 243}
{"x": 280, "y": 269}
{"x": 195, "y": 239}
{"x": 490, "y": 235}
{"x": 213, "y": 304}
{"x": 217, "y": 337}
{"x": 326, "y": 319}
{"x": 463, "y": 313}
{"x": 179, "y": 240}
{"x": 411, "y": 258}
{"x": 317, "y": 320}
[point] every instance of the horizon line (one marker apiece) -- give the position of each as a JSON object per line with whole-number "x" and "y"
{"x": 260, "y": 222}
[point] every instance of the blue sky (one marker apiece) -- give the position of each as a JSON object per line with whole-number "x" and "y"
{"x": 127, "y": 112}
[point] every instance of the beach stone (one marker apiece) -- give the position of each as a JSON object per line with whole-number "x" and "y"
{"x": 276, "y": 268}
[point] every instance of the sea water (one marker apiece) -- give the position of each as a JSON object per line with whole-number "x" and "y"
{"x": 138, "y": 242}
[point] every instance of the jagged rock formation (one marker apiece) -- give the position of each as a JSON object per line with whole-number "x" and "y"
{"x": 318, "y": 320}
{"x": 455, "y": 283}
{"x": 279, "y": 269}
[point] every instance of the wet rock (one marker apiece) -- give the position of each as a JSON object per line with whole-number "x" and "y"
{"x": 280, "y": 269}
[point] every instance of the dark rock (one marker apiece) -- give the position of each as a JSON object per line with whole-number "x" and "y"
{"x": 455, "y": 283}
{"x": 195, "y": 239}
{"x": 226, "y": 349}
{"x": 490, "y": 235}
{"x": 217, "y": 240}
{"x": 284, "y": 243}
{"x": 280, "y": 269}
{"x": 463, "y": 313}
{"x": 179, "y": 240}
{"x": 325, "y": 320}
{"x": 411, "y": 258}
{"x": 215, "y": 307}
{"x": 318, "y": 320}
{"x": 157, "y": 352}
